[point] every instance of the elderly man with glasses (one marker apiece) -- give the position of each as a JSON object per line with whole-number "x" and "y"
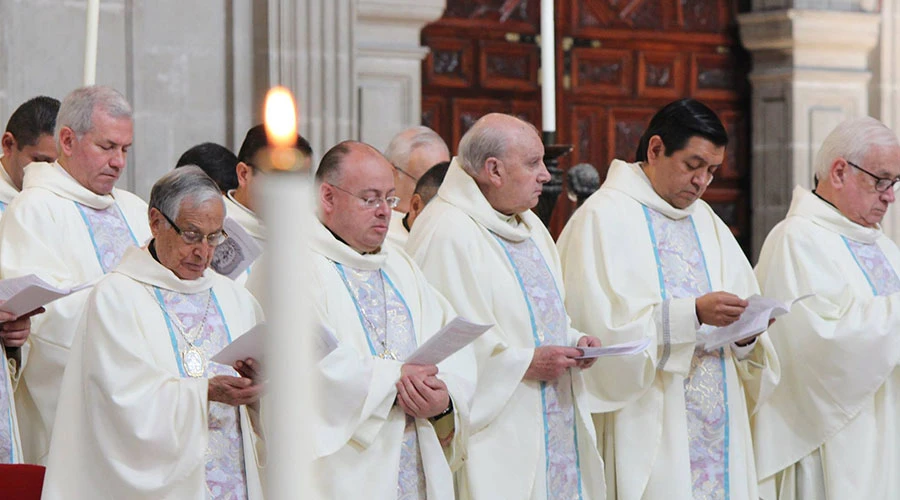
{"x": 385, "y": 428}
{"x": 829, "y": 430}
{"x": 144, "y": 413}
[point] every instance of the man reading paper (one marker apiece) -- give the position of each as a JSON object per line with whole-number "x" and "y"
{"x": 644, "y": 257}
{"x": 830, "y": 429}
{"x": 383, "y": 428}
{"x": 482, "y": 247}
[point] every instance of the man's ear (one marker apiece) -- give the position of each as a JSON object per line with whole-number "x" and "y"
{"x": 326, "y": 197}
{"x": 67, "y": 140}
{"x": 9, "y": 143}
{"x": 243, "y": 172}
{"x": 416, "y": 204}
{"x": 838, "y": 172}
{"x": 157, "y": 222}
{"x": 495, "y": 171}
{"x": 655, "y": 148}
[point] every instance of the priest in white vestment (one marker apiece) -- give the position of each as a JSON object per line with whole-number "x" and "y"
{"x": 143, "y": 412}
{"x": 69, "y": 226}
{"x": 383, "y": 429}
{"x": 830, "y": 429}
{"x": 644, "y": 257}
{"x": 412, "y": 152}
{"x": 28, "y": 138}
{"x": 481, "y": 246}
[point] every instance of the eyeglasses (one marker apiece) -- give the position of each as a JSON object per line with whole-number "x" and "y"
{"x": 373, "y": 203}
{"x": 214, "y": 239}
{"x": 404, "y": 172}
{"x": 882, "y": 184}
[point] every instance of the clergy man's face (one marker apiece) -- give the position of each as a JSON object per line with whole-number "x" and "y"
{"x": 682, "y": 177}
{"x": 364, "y": 174}
{"x": 858, "y": 200}
{"x": 43, "y": 150}
{"x": 187, "y": 261}
{"x": 97, "y": 159}
{"x": 521, "y": 171}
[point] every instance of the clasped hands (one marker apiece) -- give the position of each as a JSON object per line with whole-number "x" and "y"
{"x": 237, "y": 391}
{"x": 420, "y": 393}
{"x": 550, "y": 362}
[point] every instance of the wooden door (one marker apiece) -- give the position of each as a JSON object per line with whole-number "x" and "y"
{"x": 618, "y": 61}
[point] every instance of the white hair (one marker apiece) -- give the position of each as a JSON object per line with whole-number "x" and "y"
{"x": 188, "y": 183}
{"x": 851, "y": 140}
{"x": 77, "y": 109}
{"x": 485, "y": 140}
{"x": 407, "y": 141}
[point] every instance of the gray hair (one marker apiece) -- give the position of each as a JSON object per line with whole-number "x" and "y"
{"x": 480, "y": 143}
{"x": 851, "y": 140}
{"x": 184, "y": 184}
{"x": 407, "y": 141}
{"x": 77, "y": 109}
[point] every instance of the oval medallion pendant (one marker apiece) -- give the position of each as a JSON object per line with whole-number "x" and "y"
{"x": 194, "y": 362}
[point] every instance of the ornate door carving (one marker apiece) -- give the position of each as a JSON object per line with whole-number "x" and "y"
{"x": 617, "y": 62}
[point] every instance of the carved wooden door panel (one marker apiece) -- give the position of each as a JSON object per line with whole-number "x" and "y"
{"x": 618, "y": 61}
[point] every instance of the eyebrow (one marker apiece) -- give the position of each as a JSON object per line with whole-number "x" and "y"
{"x": 703, "y": 160}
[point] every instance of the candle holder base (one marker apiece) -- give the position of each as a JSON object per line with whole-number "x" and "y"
{"x": 553, "y": 188}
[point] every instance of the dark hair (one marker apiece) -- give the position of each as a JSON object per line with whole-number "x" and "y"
{"x": 677, "y": 122}
{"x": 256, "y": 139}
{"x": 31, "y": 120}
{"x": 330, "y": 165}
{"x": 431, "y": 180}
{"x": 217, "y": 161}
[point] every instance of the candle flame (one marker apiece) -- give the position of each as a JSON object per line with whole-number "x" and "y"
{"x": 280, "y": 118}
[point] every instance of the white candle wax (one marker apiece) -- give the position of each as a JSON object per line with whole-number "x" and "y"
{"x": 90, "y": 41}
{"x": 548, "y": 67}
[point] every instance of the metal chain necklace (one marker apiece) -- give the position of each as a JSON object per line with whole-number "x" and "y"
{"x": 193, "y": 359}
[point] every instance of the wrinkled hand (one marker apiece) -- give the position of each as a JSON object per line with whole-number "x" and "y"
{"x": 587, "y": 341}
{"x": 234, "y": 391}
{"x": 720, "y": 308}
{"x": 420, "y": 393}
{"x": 549, "y": 362}
{"x": 14, "y": 331}
{"x": 250, "y": 368}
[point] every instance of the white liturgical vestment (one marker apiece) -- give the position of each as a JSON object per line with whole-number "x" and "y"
{"x": 67, "y": 235}
{"x": 832, "y": 421}
{"x": 380, "y": 308}
{"x": 633, "y": 267}
{"x": 134, "y": 419}
{"x": 10, "y": 443}
{"x": 7, "y": 190}
{"x": 397, "y": 232}
{"x": 530, "y": 439}
{"x": 251, "y": 223}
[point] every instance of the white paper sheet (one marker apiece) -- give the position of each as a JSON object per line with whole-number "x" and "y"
{"x": 236, "y": 253}
{"x": 623, "y": 349}
{"x": 452, "y": 337}
{"x": 753, "y": 321}
{"x": 249, "y": 345}
{"x": 27, "y": 293}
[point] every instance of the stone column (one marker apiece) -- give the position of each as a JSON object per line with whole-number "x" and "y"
{"x": 354, "y": 65}
{"x": 885, "y": 90}
{"x": 810, "y": 72}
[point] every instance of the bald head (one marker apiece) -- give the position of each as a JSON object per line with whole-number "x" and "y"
{"x": 412, "y": 152}
{"x": 356, "y": 188}
{"x": 505, "y": 157}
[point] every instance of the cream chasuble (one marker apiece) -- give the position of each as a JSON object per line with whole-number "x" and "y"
{"x": 530, "y": 440}
{"x": 380, "y": 308}
{"x": 67, "y": 235}
{"x": 834, "y": 415}
{"x": 134, "y": 420}
{"x": 397, "y": 232}
{"x": 10, "y": 444}
{"x": 250, "y": 222}
{"x": 633, "y": 267}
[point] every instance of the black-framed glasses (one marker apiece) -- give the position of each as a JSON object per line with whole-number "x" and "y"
{"x": 214, "y": 239}
{"x": 404, "y": 172}
{"x": 374, "y": 202}
{"x": 882, "y": 184}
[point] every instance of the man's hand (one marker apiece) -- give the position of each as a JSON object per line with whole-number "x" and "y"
{"x": 250, "y": 368}
{"x": 420, "y": 393}
{"x": 14, "y": 331}
{"x": 549, "y": 362}
{"x": 587, "y": 341}
{"x": 234, "y": 391}
{"x": 720, "y": 308}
